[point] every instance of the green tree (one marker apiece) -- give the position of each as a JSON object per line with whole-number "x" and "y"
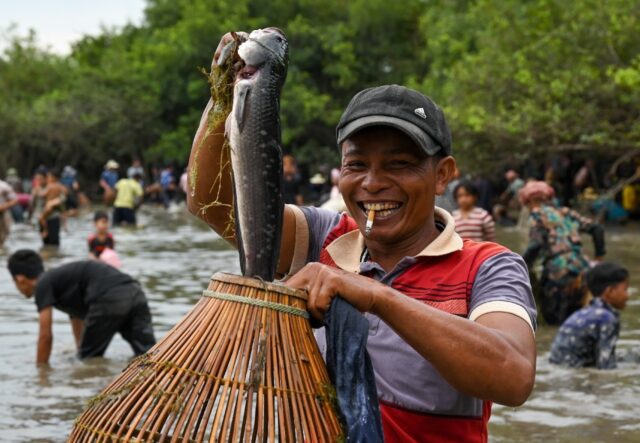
{"x": 516, "y": 78}
{"x": 535, "y": 77}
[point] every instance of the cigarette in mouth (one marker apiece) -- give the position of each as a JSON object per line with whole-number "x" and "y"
{"x": 369, "y": 225}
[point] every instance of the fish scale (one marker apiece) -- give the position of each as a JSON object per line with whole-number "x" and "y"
{"x": 256, "y": 153}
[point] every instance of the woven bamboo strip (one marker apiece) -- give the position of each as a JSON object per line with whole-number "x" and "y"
{"x": 198, "y": 366}
{"x": 132, "y": 406}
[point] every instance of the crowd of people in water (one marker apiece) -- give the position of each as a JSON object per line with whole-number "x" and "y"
{"x": 49, "y": 196}
{"x": 582, "y": 295}
{"x": 99, "y": 298}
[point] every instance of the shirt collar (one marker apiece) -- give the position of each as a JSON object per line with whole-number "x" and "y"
{"x": 347, "y": 249}
{"x": 598, "y": 302}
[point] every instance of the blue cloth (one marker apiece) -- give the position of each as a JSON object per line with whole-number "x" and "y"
{"x": 166, "y": 178}
{"x": 111, "y": 177}
{"x": 351, "y": 372}
{"x": 588, "y": 337}
{"x": 68, "y": 180}
{"x": 613, "y": 210}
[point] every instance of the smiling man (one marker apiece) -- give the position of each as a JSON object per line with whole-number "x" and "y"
{"x": 451, "y": 322}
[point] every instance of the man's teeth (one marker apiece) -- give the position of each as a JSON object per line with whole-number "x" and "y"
{"x": 380, "y": 206}
{"x": 382, "y": 209}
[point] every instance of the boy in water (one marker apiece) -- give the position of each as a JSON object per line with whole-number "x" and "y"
{"x": 54, "y": 195}
{"x": 588, "y": 337}
{"x": 101, "y": 239}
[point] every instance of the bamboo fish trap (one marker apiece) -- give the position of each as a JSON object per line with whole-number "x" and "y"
{"x": 242, "y": 365}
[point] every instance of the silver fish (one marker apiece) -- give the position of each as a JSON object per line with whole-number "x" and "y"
{"x": 253, "y": 129}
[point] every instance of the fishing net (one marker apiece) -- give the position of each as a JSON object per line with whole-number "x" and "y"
{"x": 242, "y": 365}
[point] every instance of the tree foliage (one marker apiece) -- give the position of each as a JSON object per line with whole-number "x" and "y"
{"x": 516, "y": 78}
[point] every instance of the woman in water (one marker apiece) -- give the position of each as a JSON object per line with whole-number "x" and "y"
{"x": 554, "y": 236}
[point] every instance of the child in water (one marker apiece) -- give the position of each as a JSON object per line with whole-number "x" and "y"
{"x": 588, "y": 337}
{"x": 472, "y": 222}
{"x": 101, "y": 239}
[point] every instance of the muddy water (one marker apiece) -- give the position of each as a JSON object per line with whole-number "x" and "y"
{"x": 173, "y": 256}
{"x": 578, "y": 405}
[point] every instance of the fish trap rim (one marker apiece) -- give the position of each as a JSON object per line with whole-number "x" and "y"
{"x": 260, "y": 284}
{"x": 286, "y": 309}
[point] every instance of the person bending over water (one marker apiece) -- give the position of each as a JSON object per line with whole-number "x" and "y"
{"x": 554, "y": 236}
{"x": 588, "y": 337}
{"x": 99, "y": 299}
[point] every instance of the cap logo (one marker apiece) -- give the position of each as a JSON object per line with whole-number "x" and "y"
{"x": 420, "y": 112}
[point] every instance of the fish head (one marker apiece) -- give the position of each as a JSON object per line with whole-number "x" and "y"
{"x": 263, "y": 45}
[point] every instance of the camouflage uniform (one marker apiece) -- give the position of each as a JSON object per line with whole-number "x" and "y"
{"x": 588, "y": 338}
{"x": 554, "y": 236}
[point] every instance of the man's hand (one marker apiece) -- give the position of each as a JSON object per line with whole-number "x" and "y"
{"x": 226, "y": 39}
{"x": 494, "y": 357}
{"x": 323, "y": 283}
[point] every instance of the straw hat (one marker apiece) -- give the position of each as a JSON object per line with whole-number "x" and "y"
{"x": 112, "y": 164}
{"x": 317, "y": 179}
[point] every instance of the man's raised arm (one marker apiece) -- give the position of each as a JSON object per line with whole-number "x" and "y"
{"x": 210, "y": 191}
{"x": 210, "y": 184}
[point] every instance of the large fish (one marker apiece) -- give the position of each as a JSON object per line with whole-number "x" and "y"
{"x": 253, "y": 129}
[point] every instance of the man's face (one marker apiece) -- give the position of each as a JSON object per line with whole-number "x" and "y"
{"x": 25, "y": 285}
{"x": 617, "y": 295}
{"x": 382, "y": 169}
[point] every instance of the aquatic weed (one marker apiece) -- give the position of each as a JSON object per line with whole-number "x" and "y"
{"x": 221, "y": 80}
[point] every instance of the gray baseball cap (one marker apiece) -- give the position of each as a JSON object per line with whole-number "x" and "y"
{"x": 402, "y": 108}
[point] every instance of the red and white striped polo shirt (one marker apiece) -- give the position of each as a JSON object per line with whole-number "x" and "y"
{"x": 463, "y": 278}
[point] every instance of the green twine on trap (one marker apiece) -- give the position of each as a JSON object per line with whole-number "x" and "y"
{"x": 255, "y": 302}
